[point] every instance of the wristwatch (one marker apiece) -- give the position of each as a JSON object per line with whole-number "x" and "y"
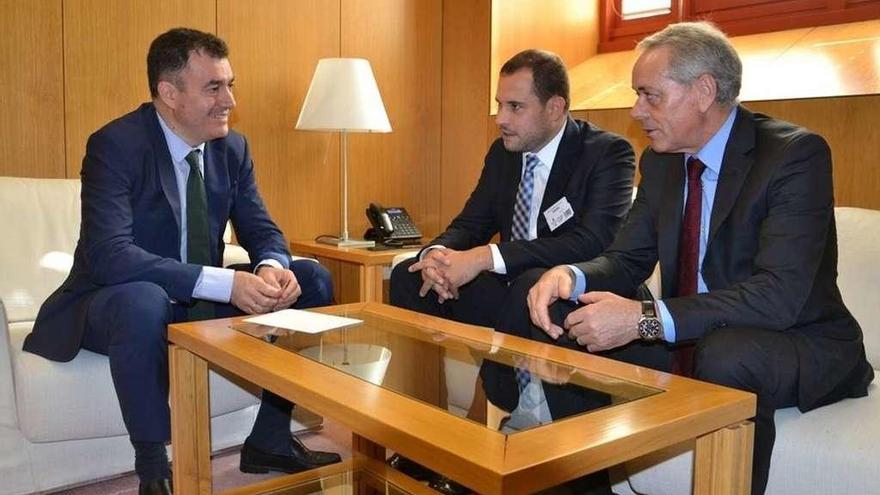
{"x": 650, "y": 326}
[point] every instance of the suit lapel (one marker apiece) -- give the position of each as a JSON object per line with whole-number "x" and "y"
{"x": 513, "y": 166}
{"x": 564, "y": 165}
{"x": 164, "y": 165}
{"x": 669, "y": 219}
{"x": 734, "y": 169}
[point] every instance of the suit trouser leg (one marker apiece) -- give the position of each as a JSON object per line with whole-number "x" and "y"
{"x": 128, "y": 323}
{"x": 761, "y": 361}
{"x": 271, "y": 431}
{"x": 479, "y": 301}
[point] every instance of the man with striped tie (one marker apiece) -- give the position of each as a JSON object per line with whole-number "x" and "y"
{"x": 554, "y": 189}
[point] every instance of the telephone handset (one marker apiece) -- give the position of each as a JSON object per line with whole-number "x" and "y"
{"x": 391, "y": 226}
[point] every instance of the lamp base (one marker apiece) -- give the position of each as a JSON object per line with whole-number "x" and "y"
{"x": 350, "y": 243}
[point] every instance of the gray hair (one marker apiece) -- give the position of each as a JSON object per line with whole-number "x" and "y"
{"x": 698, "y": 48}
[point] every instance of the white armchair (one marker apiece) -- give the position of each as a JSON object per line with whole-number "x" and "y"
{"x": 60, "y": 423}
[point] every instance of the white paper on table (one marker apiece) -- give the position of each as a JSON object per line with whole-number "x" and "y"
{"x": 303, "y": 321}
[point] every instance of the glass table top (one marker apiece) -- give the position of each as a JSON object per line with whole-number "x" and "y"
{"x": 344, "y": 483}
{"x": 493, "y": 386}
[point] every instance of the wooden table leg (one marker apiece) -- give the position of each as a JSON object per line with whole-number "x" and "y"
{"x": 370, "y": 283}
{"x": 723, "y": 461}
{"x": 366, "y": 447}
{"x": 190, "y": 422}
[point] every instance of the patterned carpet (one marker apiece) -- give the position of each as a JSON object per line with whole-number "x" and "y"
{"x": 224, "y": 465}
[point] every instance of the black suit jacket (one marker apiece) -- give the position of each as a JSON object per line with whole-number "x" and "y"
{"x": 771, "y": 258}
{"x": 130, "y": 227}
{"x": 593, "y": 169}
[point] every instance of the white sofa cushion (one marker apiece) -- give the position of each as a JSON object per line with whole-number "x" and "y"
{"x": 858, "y": 267}
{"x": 832, "y": 449}
{"x": 8, "y": 417}
{"x": 44, "y": 215}
{"x": 76, "y": 400}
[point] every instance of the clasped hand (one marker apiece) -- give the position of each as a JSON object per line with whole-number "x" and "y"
{"x": 271, "y": 289}
{"x": 605, "y": 321}
{"x": 445, "y": 270}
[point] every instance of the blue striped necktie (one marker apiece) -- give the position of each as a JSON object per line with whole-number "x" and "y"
{"x": 522, "y": 209}
{"x": 520, "y": 231}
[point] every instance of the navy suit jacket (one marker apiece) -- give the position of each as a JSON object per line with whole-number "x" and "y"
{"x": 593, "y": 170}
{"x": 771, "y": 258}
{"x": 130, "y": 227}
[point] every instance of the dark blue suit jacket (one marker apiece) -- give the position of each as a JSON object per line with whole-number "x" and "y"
{"x": 593, "y": 170}
{"x": 771, "y": 259}
{"x": 131, "y": 223}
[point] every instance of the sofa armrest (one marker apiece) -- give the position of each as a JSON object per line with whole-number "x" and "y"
{"x": 233, "y": 254}
{"x": 8, "y": 415}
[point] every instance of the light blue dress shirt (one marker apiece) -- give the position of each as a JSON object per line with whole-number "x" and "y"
{"x": 711, "y": 154}
{"x": 214, "y": 283}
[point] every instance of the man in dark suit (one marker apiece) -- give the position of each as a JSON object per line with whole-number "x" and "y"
{"x": 738, "y": 210}
{"x": 555, "y": 189}
{"x": 158, "y": 187}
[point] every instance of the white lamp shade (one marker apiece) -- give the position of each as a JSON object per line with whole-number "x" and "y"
{"x": 343, "y": 96}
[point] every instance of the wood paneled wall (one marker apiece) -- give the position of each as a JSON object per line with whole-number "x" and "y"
{"x": 274, "y": 48}
{"x": 850, "y": 124}
{"x": 569, "y": 28}
{"x": 466, "y": 93}
{"x": 105, "y": 59}
{"x": 70, "y": 66}
{"x": 31, "y": 90}
{"x": 402, "y": 39}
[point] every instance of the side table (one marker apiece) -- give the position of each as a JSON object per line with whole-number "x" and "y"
{"x": 357, "y": 272}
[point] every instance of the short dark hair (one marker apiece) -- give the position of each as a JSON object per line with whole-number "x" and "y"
{"x": 169, "y": 53}
{"x": 549, "y": 76}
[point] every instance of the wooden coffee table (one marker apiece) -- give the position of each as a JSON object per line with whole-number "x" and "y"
{"x": 410, "y": 411}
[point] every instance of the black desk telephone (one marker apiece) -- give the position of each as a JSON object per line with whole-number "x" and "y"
{"x": 391, "y": 226}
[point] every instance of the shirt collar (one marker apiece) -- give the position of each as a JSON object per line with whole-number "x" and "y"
{"x": 548, "y": 153}
{"x": 176, "y": 145}
{"x": 712, "y": 153}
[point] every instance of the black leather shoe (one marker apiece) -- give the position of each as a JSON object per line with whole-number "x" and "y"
{"x": 299, "y": 458}
{"x": 411, "y": 468}
{"x": 161, "y": 486}
{"x": 448, "y": 487}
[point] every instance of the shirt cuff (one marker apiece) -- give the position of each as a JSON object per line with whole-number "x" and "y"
{"x": 271, "y": 262}
{"x": 580, "y": 283}
{"x": 498, "y": 265}
{"x": 425, "y": 251}
{"x": 667, "y": 322}
{"x": 214, "y": 284}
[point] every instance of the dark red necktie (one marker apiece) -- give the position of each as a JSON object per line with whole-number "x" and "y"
{"x": 689, "y": 256}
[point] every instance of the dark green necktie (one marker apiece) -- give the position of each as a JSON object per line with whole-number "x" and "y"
{"x": 198, "y": 245}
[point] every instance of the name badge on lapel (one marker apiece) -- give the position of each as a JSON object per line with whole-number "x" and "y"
{"x": 558, "y": 214}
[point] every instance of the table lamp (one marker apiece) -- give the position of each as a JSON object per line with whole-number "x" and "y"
{"x": 343, "y": 97}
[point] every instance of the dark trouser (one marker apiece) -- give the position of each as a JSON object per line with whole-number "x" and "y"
{"x": 128, "y": 323}
{"x": 479, "y": 301}
{"x": 760, "y": 361}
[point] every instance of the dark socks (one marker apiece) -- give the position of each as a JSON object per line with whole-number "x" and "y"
{"x": 271, "y": 431}
{"x": 150, "y": 461}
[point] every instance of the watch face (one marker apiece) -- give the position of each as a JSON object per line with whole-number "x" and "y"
{"x": 649, "y": 328}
